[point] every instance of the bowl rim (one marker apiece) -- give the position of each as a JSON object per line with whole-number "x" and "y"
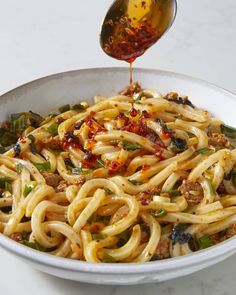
{"x": 124, "y": 69}
{"x": 119, "y": 268}
{"x": 62, "y": 263}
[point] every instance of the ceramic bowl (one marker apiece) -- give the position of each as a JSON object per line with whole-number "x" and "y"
{"x": 46, "y": 94}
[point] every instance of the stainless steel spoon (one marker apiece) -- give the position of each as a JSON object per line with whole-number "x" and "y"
{"x": 130, "y": 27}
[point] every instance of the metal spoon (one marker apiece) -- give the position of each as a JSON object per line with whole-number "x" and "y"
{"x": 132, "y": 26}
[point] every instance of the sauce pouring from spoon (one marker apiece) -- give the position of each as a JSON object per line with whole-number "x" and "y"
{"x": 130, "y": 27}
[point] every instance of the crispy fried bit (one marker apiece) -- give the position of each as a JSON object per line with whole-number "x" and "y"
{"x": 126, "y": 91}
{"x": 52, "y": 142}
{"x": 192, "y": 191}
{"x": 17, "y": 237}
{"x": 224, "y": 235}
{"x": 146, "y": 197}
{"x": 51, "y": 178}
{"x": 174, "y": 97}
{"x": 163, "y": 249}
{"x": 63, "y": 184}
{"x": 218, "y": 140}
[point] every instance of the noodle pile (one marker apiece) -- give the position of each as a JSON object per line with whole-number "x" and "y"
{"x": 98, "y": 185}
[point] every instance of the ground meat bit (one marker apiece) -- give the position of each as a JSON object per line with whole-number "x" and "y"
{"x": 59, "y": 120}
{"x": 126, "y": 91}
{"x": 52, "y": 142}
{"x": 224, "y": 235}
{"x": 144, "y": 237}
{"x": 172, "y": 95}
{"x": 163, "y": 249}
{"x": 146, "y": 197}
{"x": 218, "y": 140}
{"x": 192, "y": 191}
{"x": 17, "y": 237}
{"x": 51, "y": 179}
{"x": 231, "y": 231}
{"x": 63, "y": 184}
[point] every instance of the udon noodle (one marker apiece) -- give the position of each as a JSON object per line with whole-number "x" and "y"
{"x": 95, "y": 184}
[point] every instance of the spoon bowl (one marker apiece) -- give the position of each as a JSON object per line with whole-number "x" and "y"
{"x": 130, "y": 27}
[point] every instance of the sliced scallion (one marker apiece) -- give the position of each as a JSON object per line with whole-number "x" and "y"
{"x": 205, "y": 242}
{"x": 64, "y": 108}
{"x": 46, "y": 166}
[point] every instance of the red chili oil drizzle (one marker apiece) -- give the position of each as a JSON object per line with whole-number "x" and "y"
{"x": 130, "y": 42}
{"x": 123, "y": 118}
{"x": 94, "y": 127}
{"x": 70, "y": 140}
{"x": 89, "y": 160}
{"x": 165, "y": 134}
{"x": 145, "y": 168}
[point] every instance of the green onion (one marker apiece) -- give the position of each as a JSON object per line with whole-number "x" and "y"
{"x": 135, "y": 182}
{"x": 8, "y": 187}
{"x": 174, "y": 193}
{"x": 108, "y": 191}
{"x": 159, "y": 213}
{"x": 234, "y": 178}
{"x": 205, "y": 242}
{"x": 178, "y": 145}
{"x": 228, "y": 131}
{"x": 204, "y": 151}
{"x": 31, "y": 138}
{"x": 53, "y": 129}
{"x": 130, "y": 146}
{"x": 34, "y": 245}
{"x": 108, "y": 259}
{"x": 24, "y": 234}
{"x": 64, "y": 108}
{"x": 29, "y": 187}
{"x": 19, "y": 168}
{"x": 81, "y": 171}
{"x": 92, "y": 218}
{"x": 18, "y": 122}
{"x": 80, "y": 106}
{"x": 68, "y": 164}
{"x": 5, "y": 183}
{"x": 46, "y": 166}
{"x": 7, "y": 138}
{"x": 101, "y": 163}
{"x": 98, "y": 236}
{"x": 211, "y": 187}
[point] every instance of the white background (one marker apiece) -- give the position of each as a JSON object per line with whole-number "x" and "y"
{"x": 41, "y": 37}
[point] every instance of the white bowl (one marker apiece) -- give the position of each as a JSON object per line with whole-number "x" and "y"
{"x": 46, "y": 94}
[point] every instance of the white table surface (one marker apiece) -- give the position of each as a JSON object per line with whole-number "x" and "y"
{"x": 39, "y": 37}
